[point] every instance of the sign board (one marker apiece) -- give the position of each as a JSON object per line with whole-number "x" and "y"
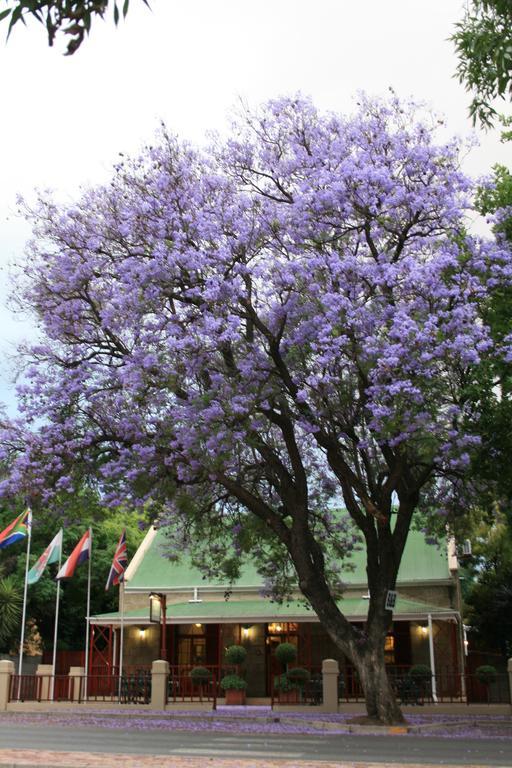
{"x": 391, "y": 600}
{"x": 155, "y": 608}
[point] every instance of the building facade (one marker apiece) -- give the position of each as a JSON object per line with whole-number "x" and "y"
{"x": 203, "y": 618}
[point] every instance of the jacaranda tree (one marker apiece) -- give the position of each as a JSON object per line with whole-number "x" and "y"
{"x": 256, "y": 335}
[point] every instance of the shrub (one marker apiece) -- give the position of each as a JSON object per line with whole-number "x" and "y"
{"x": 421, "y": 673}
{"x": 235, "y": 654}
{"x": 233, "y": 683}
{"x": 286, "y": 653}
{"x": 284, "y": 684}
{"x": 299, "y": 676}
{"x": 200, "y": 675}
{"x": 486, "y": 674}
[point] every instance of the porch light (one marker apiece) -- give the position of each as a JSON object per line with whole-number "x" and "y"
{"x": 246, "y": 631}
{"x": 198, "y": 626}
{"x": 142, "y": 633}
{"x": 424, "y": 631}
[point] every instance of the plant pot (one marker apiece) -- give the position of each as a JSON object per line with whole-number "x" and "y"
{"x": 289, "y": 697}
{"x": 235, "y": 697}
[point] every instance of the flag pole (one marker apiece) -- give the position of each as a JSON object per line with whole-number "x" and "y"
{"x": 25, "y": 589}
{"x": 87, "y": 625}
{"x": 55, "y": 631}
{"x": 121, "y": 639}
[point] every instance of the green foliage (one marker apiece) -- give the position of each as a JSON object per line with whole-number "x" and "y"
{"x": 200, "y": 675}
{"x": 421, "y": 673}
{"x": 487, "y": 589}
{"x": 283, "y": 684}
{"x": 235, "y": 654}
{"x": 483, "y": 43}
{"x": 72, "y": 18}
{"x": 11, "y": 599}
{"x": 486, "y": 674}
{"x": 286, "y": 653}
{"x": 233, "y": 683}
{"x": 299, "y": 676}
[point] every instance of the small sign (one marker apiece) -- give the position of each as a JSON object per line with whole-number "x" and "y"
{"x": 155, "y": 608}
{"x": 391, "y": 600}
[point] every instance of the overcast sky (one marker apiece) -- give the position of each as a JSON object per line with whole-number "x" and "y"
{"x": 65, "y": 119}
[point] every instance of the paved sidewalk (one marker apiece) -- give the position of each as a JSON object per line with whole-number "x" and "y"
{"x": 26, "y": 758}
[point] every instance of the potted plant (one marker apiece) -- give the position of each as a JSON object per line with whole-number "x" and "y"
{"x": 291, "y": 682}
{"x": 200, "y": 676}
{"x": 486, "y": 674}
{"x": 234, "y": 685}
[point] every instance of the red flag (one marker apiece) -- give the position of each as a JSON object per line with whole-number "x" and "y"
{"x": 79, "y": 555}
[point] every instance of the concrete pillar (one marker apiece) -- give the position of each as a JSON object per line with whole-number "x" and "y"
{"x": 44, "y": 672}
{"x": 76, "y": 683}
{"x": 159, "y": 678}
{"x": 509, "y": 670}
{"x": 6, "y": 672}
{"x": 330, "y": 674}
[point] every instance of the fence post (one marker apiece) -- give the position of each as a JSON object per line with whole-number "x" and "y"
{"x": 76, "y": 677}
{"x": 330, "y": 674}
{"x": 44, "y": 672}
{"x": 6, "y": 672}
{"x": 159, "y": 677}
{"x": 509, "y": 670}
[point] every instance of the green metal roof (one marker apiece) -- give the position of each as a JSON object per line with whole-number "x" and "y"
{"x": 262, "y": 610}
{"x": 421, "y": 562}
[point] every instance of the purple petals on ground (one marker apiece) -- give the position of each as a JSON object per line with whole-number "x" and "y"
{"x": 464, "y": 726}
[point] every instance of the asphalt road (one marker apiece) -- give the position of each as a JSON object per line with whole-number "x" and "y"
{"x": 391, "y": 749}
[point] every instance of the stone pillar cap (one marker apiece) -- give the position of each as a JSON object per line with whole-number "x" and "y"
{"x": 330, "y": 666}
{"x": 160, "y": 665}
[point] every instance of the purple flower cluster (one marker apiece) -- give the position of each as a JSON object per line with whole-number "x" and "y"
{"x": 282, "y": 323}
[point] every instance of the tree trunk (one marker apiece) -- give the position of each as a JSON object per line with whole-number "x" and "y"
{"x": 380, "y": 700}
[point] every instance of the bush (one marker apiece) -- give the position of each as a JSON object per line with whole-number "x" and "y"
{"x": 486, "y": 674}
{"x": 299, "y": 676}
{"x": 200, "y": 675}
{"x": 286, "y": 653}
{"x": 284, "y": 684}
{"x": 421, "y": 673}
{"x": 235, "y": 654}
{"x": 233, "y": 682}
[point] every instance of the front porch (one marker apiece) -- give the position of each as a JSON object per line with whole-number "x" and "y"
{"x": 197, "y": 635}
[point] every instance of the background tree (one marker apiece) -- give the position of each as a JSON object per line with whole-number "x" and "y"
{"x": 491, "y": 389}
{"x": 488, "y": 589}
{"x": 483, "y": 42}
{"x": 107, "y": 527}
{"x": 71, "y": 18}
{"x": 250, "y": 336}
{"x": 11, "y": 598}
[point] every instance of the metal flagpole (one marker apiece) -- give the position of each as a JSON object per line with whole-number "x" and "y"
{"x": 55, "y": 631}
{"x": 87, "y": 616}
{"x": 22, "y": 640}
{"x": 121, "y": 640}
{"x": 432, "y": 658}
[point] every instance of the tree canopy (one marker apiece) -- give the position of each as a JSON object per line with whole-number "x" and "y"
{"x": 251, "y": 335}
{"x": 71, "y": 18}
{"x": 483, "y": 42}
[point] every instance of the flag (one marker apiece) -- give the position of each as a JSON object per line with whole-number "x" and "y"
{"x": 79, "y": 555}
{"x": 119, "y": 563}
{"x": 51, "y": 554}
{"x": 17, "y": 530}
